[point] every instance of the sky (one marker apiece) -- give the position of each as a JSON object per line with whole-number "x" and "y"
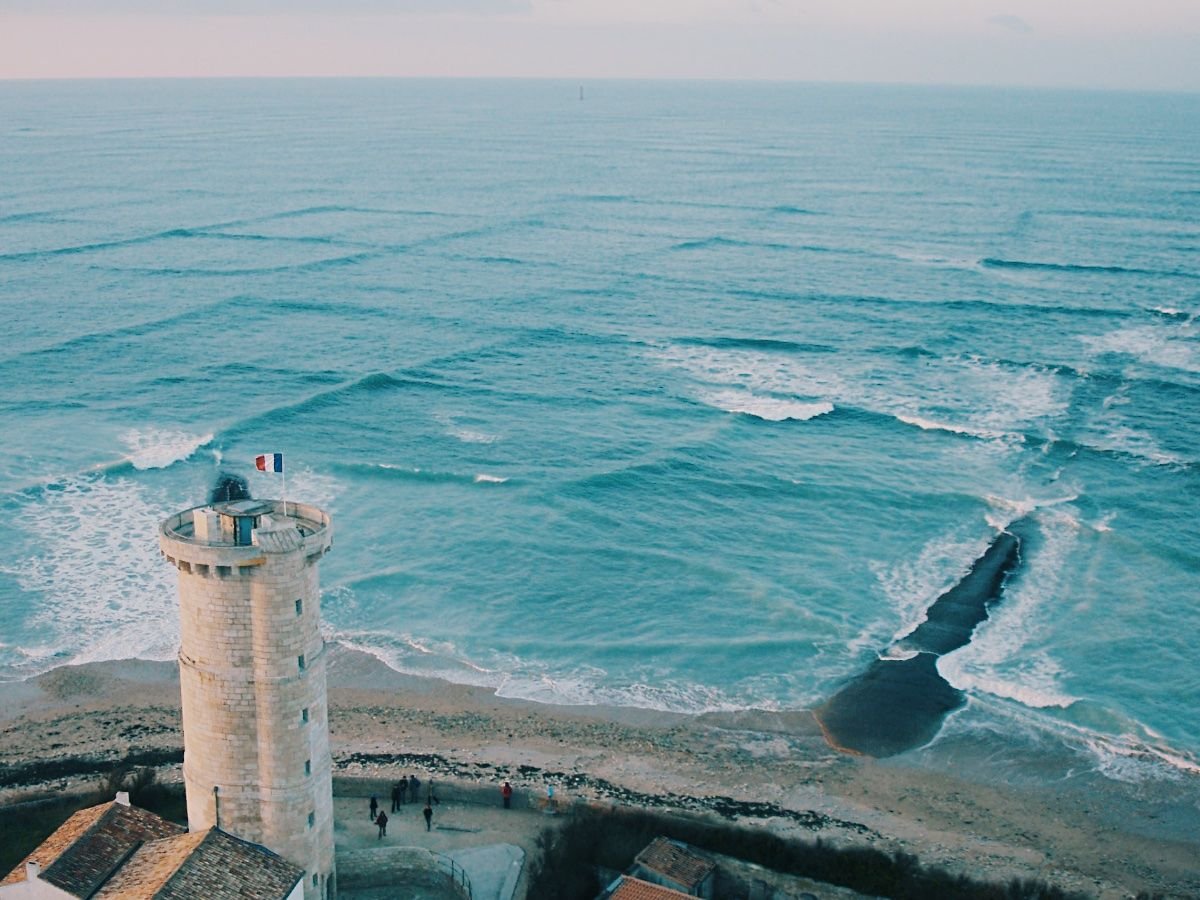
{"x": 1123, "y": 44}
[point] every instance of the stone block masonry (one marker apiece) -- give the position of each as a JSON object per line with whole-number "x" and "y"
{"x": 252, "y": 678}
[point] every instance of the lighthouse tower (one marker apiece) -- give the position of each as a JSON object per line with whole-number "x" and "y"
{"x": 252, "y": 674}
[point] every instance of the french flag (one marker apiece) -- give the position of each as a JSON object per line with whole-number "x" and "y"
{"x": 269, "y": 462}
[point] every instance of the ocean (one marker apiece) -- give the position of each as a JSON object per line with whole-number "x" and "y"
{"x": 688, "y": 396}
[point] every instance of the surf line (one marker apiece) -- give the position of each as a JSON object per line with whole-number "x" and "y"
{"x": 899, "y": 702}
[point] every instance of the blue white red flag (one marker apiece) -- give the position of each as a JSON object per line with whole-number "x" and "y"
{"x": 269, "y": 462}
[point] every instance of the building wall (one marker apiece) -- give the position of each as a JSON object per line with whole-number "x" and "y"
{"x": 33, "y": 888}
{"x": 245, "y": 694}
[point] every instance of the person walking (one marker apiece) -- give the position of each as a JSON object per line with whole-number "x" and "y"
{"x": 414, "y": 788}
{"x": 427, "y": 812}
{"x": 506, "y": 793}
{"x": 374, "y": 807}
{"x": 402, "y": 788}
{"x": 382, "y": 821}
{"x": 395, "y": 796}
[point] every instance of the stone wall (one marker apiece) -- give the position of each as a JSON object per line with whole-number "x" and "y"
{"x": 252, "y": 679}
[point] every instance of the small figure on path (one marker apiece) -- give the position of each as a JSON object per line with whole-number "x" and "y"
{"x": 402, "y": 787}
{"x": 374, "y": 807}
{"x": 427, "y": 812}
{"x": 506, "y": 793}
{"x": 395, "y": 796}
{"x": 413, "y": 787}
{"x": 382, "y": 821}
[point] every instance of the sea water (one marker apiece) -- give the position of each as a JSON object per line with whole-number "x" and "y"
{"x": 690, "y": 396}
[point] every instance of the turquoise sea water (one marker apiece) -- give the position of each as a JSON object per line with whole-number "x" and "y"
{"x": 690, "y": 396}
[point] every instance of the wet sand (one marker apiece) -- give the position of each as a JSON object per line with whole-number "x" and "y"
{"x": 771, "y": 769}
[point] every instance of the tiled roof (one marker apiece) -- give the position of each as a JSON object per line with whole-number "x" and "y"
{"x": 90, "y": 845}
{"x": 210, "y": 864}
{"x": 115, "y": 851}
{"x": 150, "y": 867}
{"x": 675, "y": 861}
{"x": 52, "y": 847}
{"x": 632, "y": 888}
{"x": 224, "y": 867}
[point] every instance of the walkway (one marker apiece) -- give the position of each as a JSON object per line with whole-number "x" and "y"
{"x": 489, "y": 842}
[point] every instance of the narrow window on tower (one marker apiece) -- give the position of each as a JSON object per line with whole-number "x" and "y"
{"x": 308, "y": 767}
{"x": 312, "y": 819}
{"x": 300, "y": 660}
{"x": 304, "y": 714}
{"x": 299, "y": 606}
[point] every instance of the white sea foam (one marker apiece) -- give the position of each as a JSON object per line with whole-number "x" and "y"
{"x": 1119, "y": 398}
{"x": 1135, "y": 755}
{"x": 995, "y": 399}
{"x": 756, "y": 372}
{"x": 1006, "y": 656}
{"x": 412, "y": 656}
{"x": 512, "y": 677}
{"x": 591, "y": 686}
{"x": 1034, "y": 685}
{"x": 1109, "y": 431}
{"x": 1006, "y": 510}
{"x": 911, "y": 585}
{"x": 466, "y": 434}
{"x": 966, "y": 395}
{"x": 1174, "y": 312}
{"x": 484, "y": 478}
{"x": 1167, "y": 344}
{"x": 92, "y": 557}
{"x": 1130, "y": 759}
{"x": 158, "y": 448}
{"x": 930, "y": 425}
{"x": 1120, "y": 438}
{"x": 771, "y": 409}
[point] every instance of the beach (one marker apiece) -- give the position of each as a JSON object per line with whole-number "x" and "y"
{"x": 772, "y": 770}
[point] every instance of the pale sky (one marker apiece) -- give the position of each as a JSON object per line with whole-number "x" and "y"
{"x": 1132, "y": 44}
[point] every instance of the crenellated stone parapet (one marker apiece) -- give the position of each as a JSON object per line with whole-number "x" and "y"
{"x": 193, "y": 542}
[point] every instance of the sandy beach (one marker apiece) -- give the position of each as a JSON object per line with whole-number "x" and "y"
{"x": 774, "y": 770}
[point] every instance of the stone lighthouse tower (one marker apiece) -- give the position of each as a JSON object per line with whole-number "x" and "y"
{"x": 252, "y": 673}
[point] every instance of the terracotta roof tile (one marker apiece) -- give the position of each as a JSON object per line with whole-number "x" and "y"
{"x": 52, "y": 847}
{"x": 224, "y": 867}
{"x": 632, "y": 888}
{"x": 90, "y": 845}
{"x": 676, "y": 861}
{"x": 150, "y": 867}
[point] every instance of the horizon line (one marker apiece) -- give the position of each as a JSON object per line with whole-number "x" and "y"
{"x": 749, "y": 79}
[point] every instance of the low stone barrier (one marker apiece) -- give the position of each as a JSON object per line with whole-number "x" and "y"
{"x": 411, "y": 866}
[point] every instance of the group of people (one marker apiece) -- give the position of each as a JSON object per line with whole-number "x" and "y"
{"x": 401, "y": 790}
{"x": 405, "y": 788}
{"x": 410, "y": 786}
